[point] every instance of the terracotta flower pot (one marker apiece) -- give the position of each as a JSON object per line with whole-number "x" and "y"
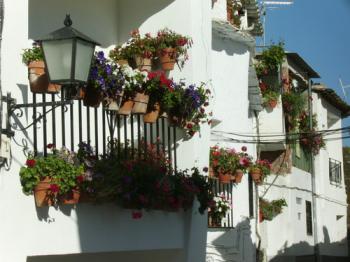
{"x": 140, "y": 103}
{"x": 261, "y": 216}
{"x": 113, "y": 104}
{"x": 122, "y": 62}
{"x": 224, "y": 178}
{"x": 80, "y": 94}
{"x": 272, "y": 103}
{"x": 152, "y": 116}
{"x": 71, "y": 198}
{"x": 38, "y": 79}
{"x": 168, "y": 59}
{"x": 42, "y": 194}
{"x": 126, "y": 107}
{"x": 93, "y": 97}
{"x": 238, "y": 175}
{"x": 143, "y": 63}
{"x": 211, "y": 172}
{"x": 256, "y": 174}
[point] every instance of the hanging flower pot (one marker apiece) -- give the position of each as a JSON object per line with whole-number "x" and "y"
{"x": 123, "y": 62}
{"x": 143, "y": 64}
{"x": 140, "y": 103}
{"x": 256, "y": 174}
{"x": 152, "y": 114}
{"x": 238, "y": 175}
{"x": 168, "y": 59}
{"x": 38, "y": 79}
{"x": 80, "y": 94}
{"x": 272, "y": 103}
{"x": 42, "y": 193}
{"x": 126, "y": 107}
{"x": 93, "y": 97}
{"x": 225, "y": 178}
{"x": 70, "y": 198}
{"x": 113, "y": 104}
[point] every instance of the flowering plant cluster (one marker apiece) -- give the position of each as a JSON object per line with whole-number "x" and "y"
{"x": 235, "y": 11}
{"x": 167, "y": 38}
{"x": 218, "y": 211}
{"x": 223, "y": 160}
{"x": 136, "y": 46}
{"x": 186, "y": 106}
{"x": 146, "y": 181}
{"x": 33, "y": 54}
{"x": 106, "y": 77}
{"x": 152, "y": 47}
{"x": 264, "y": 166}
{"x": 309, "y": 138}
{"x": 61, "y": 169}
{"x": 266, "y": 66}
{"x": 270, "y": 209}
{"x": 293, "y": 106}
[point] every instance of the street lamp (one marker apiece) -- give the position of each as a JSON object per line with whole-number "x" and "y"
{"x": 68, "y": 55}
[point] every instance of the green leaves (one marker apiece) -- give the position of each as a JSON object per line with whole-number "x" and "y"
{"x": 32, "y": 54}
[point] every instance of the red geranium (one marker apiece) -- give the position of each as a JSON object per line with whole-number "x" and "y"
{"x": 54, "y": 188}
{"x": 30, "y": 162}
{"x": 136, "y": 214}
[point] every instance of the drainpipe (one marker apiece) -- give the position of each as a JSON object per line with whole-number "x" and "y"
{"x": 257, "y": 191}
{"x": 313, "y": 180}
{"x": 1, "y": 26}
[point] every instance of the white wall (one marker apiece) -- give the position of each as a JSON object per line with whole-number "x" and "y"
{"x": 285, "y": 236}
{"x": 27, "y": 231}
{"x": 231, "y": 113}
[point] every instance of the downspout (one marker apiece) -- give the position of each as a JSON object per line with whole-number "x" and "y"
{"x": 313, "y": 179}
{"x": 257, "y": 191}
{"x": 2, "y": 8}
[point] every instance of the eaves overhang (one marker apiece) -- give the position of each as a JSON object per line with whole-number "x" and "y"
{"x": 332, "y": 98}
{"x": 225, "y": 30}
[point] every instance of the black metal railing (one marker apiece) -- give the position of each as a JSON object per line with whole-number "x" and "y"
{"x": 335, "y": 176}
{"x": 218, "y": 189}
{"x": 68, "y": 122}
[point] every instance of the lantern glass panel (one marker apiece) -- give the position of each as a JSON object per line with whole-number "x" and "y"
{"x": 84, "y": 53}
{"x": 58, "y": 56}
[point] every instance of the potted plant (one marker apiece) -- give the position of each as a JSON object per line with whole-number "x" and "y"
{"x": 270, "y": 209}
{"x": 172, "y": 47}
{"x": 143, "y": 49}
{"x": 186, "y": 106}
{"x": 223, "y": 161}
{"x": 53, "y": 179}
{"x": 38, "y": 79}
{"x": 293, "y": 105}
{"x": 157, "y": 86}
{"x": 106, "y": 82}
{"x": 270, "y": 98}
{"x": 122, "y": 54}
{"x": 259, "y": 170}
{"x": 218, "y": 211}
{"x": 243, "y": 162}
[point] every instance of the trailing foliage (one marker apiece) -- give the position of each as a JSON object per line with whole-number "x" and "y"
{"x": 33, "y": 54}
{"x": 271, "y": 209}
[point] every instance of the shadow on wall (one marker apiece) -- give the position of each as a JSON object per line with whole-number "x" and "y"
{"x": 301, "y": 252}
{"x": 229, "y": 46}
{"x": 100, "y": 20}
{"x": 145, "y": 256}
{"x": 233, "y": 244}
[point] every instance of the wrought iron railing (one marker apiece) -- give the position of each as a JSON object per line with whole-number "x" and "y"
{"x": 68, "y": 122}
{"x": 218, "y": 189}
{"x": 335, "y": 176}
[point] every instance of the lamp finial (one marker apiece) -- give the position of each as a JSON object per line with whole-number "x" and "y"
{"x": 68, "y": 21}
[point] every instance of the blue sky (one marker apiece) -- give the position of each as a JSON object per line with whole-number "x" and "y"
{"x": 319, "y": 30}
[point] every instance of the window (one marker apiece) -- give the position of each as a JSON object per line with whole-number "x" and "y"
{"x": 308, "y": 218}
{"x": 335, "y": 172}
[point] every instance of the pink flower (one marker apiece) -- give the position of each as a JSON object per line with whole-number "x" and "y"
{"x": 205, "y": 169}
{"x": 244, "y": 161}
{"x": 244, "y": 148}
{"x": 136, "y": 214}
